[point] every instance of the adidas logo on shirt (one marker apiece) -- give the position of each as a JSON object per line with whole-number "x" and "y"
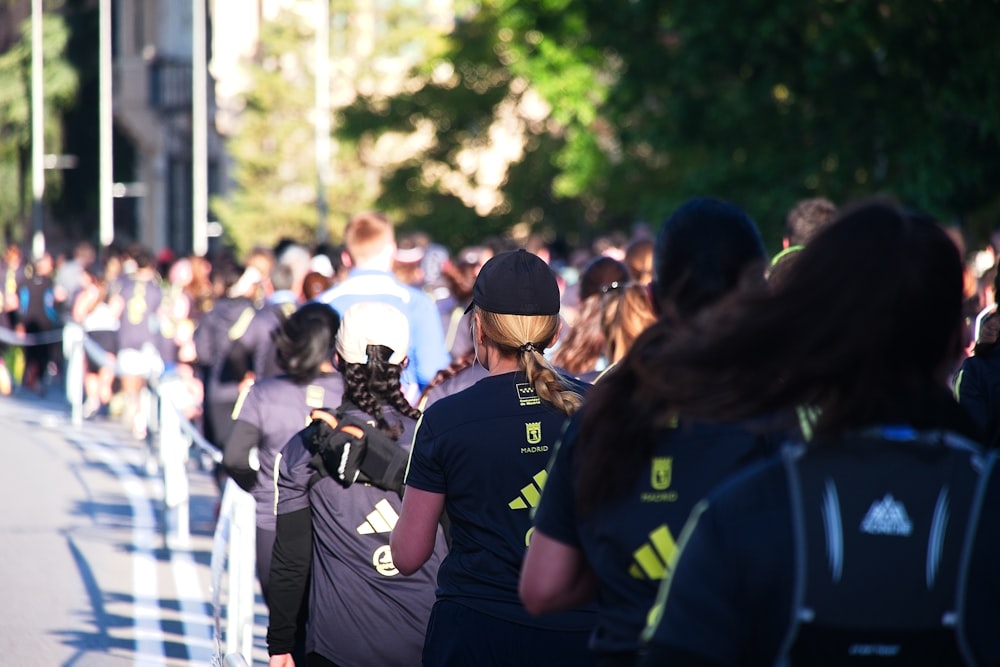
{"x": 887, "y": 517}
{"x": 531, "y": 493}
{"x": 381, "y": 520}
{"x": 656, "y": 558}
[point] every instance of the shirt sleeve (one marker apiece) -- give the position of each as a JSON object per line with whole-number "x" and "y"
{"x": 555, "y": 515}
{"x": 293, "y": 475}
{"x": 290, "y": 566}
{"x": 698, "y": 618}
{"x": 238, "y": 454}
{"x": 425, "y": 471}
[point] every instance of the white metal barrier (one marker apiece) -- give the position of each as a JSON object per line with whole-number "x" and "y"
{"x": 170, "y": 438}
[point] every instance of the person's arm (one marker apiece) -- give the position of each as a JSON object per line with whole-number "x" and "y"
{"x": 291, "y": 555}
{"x": 290, "y": 562}
{"x": 239, "y": 456}
{"x": 240, "y": 453}
{"x": 555, "y": 576}
{"x": 412, "y": 540}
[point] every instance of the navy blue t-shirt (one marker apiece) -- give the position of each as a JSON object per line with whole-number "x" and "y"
{"x": 486, "y": 449}
{"x": 139, "y": 319}
{"x": 362, "y": 611}
{"x": 738, "y": 584}
{"x": 631, "y": 543}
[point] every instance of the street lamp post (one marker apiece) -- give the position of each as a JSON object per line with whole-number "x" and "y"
{"x": 322, "y": 113}
{"x": 107, "y": 225}
{"x": 199, "y": 130}
{"x": 37, "y": 132}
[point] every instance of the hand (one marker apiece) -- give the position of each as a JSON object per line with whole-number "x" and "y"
{"x": 281, "y": 660}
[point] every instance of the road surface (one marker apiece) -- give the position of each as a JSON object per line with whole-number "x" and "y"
{"x": 86, "y": 575}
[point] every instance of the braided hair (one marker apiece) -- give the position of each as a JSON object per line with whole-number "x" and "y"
{"x": 370, "y": 384}
{"x": 527, "y": 336}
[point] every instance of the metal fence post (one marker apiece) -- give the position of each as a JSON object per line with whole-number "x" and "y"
{"x": 174, "y": 447}
{"x": 75, "y": 369}
{"x": 242, "y": 572}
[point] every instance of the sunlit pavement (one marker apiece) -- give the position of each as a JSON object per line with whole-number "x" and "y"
{"x": 86, "y": 574}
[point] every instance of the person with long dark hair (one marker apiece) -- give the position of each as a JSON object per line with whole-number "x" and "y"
{"x": 271, "y": 411}
{"x": 623, "y": 480}
{"x": 333, "y": 535}
{"x": 479, "y": 456}
{"x": 875, "y": 542}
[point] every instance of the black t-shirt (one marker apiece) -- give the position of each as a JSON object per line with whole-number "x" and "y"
{"x": 486, "y": 449}
{"x": 738, "y": 597}
{"x": 632, "y": 543}
{"x": 139, "y": 319}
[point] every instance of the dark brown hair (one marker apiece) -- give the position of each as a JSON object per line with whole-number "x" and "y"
{"x": 867, "y": 323}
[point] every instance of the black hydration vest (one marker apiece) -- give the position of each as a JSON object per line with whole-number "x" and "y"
{"x": 884, "y": 525}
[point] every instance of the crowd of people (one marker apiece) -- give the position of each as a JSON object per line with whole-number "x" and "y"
{"x": 675, "y": 448}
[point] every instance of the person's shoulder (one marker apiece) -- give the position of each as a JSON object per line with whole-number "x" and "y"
{"x": 761, "y": 484}
{"x": 278, "y": 384}
{"x": 465, "y": 402}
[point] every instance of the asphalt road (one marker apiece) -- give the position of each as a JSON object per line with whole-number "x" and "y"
{"x": 87, "y": 575}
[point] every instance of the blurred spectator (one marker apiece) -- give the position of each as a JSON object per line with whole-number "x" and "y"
{"x": 802, "y": 223}
{"x": 581, "y": 350}
{"x": 639, "y": 260}
{"x": 371, "y": 247}
{"x": 136, "y": 300}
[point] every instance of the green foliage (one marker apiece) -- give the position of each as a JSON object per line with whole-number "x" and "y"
{"x": 760, "y": 102}
{"x": 615, "y": 111}
{"x": 765, "y": 102}
{"x": 59, "y": 85}
{"x": 467, "y": 183}
{"x": 274, "y": 169}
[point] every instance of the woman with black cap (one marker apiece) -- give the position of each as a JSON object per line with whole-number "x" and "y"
{"x": 480, "y": 456}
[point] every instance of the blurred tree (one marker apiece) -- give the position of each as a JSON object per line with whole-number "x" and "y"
{"x": 649, "y": 102}
{"x": 766, "y": 101}
{"x": 59, "y": 88}
{"x": 273, "y": 167}
{"x": 483, "y": 163}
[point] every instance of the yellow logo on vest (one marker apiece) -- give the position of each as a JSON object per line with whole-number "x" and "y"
{"x": 533, "y": 432}
{"x": 531, "y": 493}
{"x": 662, "y": 472}
{"x": 655, "y": 559}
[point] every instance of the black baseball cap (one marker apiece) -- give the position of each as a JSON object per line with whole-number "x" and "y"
{"x": 516, "y": 283}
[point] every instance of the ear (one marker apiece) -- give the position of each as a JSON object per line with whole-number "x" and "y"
{"x": 345, "y": 257}
{"x": 558, "y": 334}
{"x": 477, "y": 329}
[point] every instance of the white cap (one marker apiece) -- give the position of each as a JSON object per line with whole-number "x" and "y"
{"x": 372, "y": 323}
{"x": 251, "y": 278}
{"x": 322, "y": 265}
